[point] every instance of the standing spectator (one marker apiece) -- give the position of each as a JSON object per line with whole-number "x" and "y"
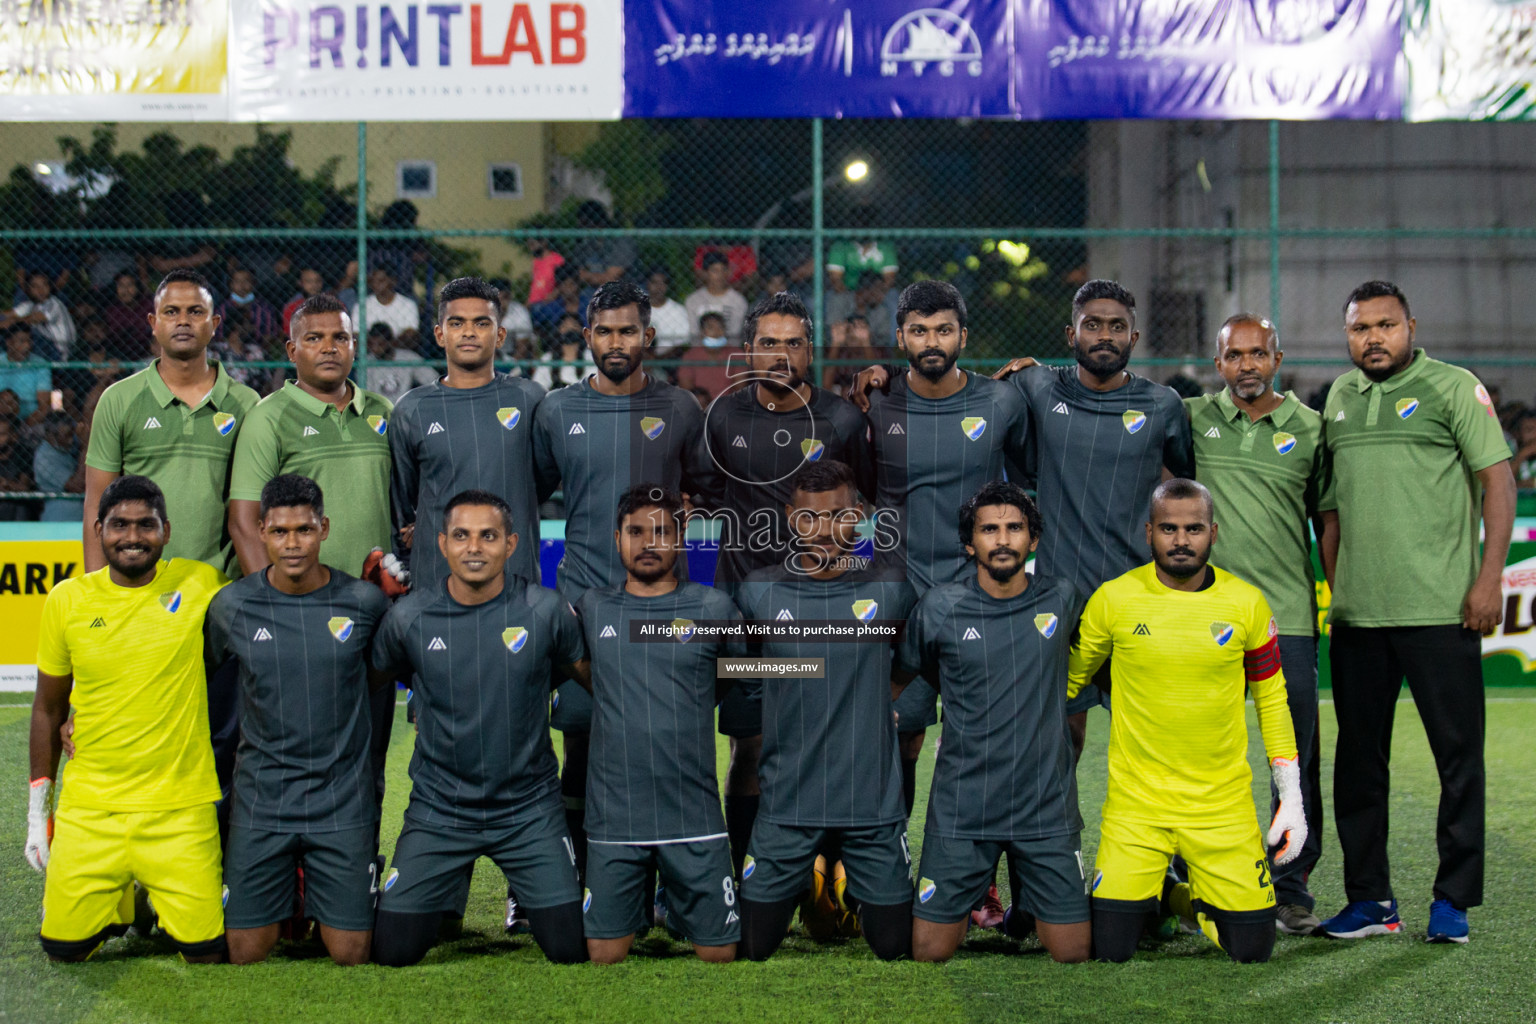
{"x": 311, "y": 283}
{"x": 601, "y": 260}
{"x": 1525, "y": 449}
{"x": 127, "y": 318}
{"x": 386, "y": 306}
{"x": 25, "y": 374}
{"x": 265, "y": 322}
{"x": 849, "y": 339}
{"x": 570, "y": 299}
{"x": 55, "y": 467}
{"x": 393, "y": 381}
{"x": 400, "y": 257}
{"x": 707, "y": 364}
{"x": 717, "y": 296}
{"x": 53, "y": 329}
{"x": 545, "y": 263}
{"x": 668, "y": 316}
{"x": 742, "y": 258}
{"x": 849, "y": 260}
{"x": 515, "y": 318}
{"x": 569, "y": 346}
{"x": 15, "y": 469}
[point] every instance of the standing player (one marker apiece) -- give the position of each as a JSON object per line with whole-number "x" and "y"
{"x": 1418, "y": 457}
{"x": 1186, "y": 640}
{"x": 998, "y": 644}
{"x": 124, "y": 645}
{"x": 771, "y": 423}
{"x": 1260, "y": 453}
{"x": 651, "y": 796}
{"x": 596, "y": 439}
{"x": 831, "y": 772}
{"x": 304, "y": 792}
{"x": 176, "y": 421}
{"x": 483, "y": 647}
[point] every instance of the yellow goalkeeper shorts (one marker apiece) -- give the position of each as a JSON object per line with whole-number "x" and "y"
{"x": 97, "y": 855}
{"x": 1227, "y": 866}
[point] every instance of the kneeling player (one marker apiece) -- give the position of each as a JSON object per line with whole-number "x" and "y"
{"x": 1187, "y": 639}
{"x": 125, "y": 645}
{"x": 304, "y": 791}
{"x": 484, "y": 646}
{"x": 652, "y": 800}
{"x": 997, "y": 646}
{"x": 831, "y": 771}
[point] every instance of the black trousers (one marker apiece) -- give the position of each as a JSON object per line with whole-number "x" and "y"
{"x": 1298, "y": 659}
{"x": 1444, "y": 669}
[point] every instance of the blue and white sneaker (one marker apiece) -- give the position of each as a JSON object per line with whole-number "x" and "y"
{"x": 1363, "y": 918}
{"x": 1446, "y": 923}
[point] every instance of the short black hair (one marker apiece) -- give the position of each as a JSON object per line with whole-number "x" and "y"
{"x": 567, "y": 272}
{"x": 476, "y": 496}
{"x": 822, "y": 476}
{"x": 19, "y": 327}
{"x": 712, "y": 315}
{"x": 1378, "y": 290}
{"x": 1181, "y": 489}
{"x": 926, "y": 298}
{"x": 648, "y": 496}
{"x": 324, "y": 302}
{"x": 467, "y": 288}
{"x": 382, "y": 329}
{"x": 659, "y": 269}
{"x": 1099, "y": 288}
{"x": 617, "y": 295}
{"x": 184, "y": 277}
{"x": 712, "y": 257}
{"x": 290, "y": 490}
{"x": 999, "y": 492}
{"x": 782, "y": 303}
{"x": 132, "y": 488}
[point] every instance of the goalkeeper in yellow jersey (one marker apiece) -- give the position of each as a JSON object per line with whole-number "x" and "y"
{"x": 1186, "y": 640}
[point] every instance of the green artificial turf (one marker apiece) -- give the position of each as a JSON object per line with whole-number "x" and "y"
{"x": 487, "y": 977}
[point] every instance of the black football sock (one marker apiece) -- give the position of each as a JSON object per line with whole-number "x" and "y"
{"x": 740, "y": 815}
{"x": 909, "y": 784}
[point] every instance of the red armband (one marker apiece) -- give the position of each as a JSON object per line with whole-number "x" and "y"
{"x": 1262, "y": 662}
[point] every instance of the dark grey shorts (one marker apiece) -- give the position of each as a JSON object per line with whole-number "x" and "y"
{"x": 340, "y": 877}
{"x": 430, "y": 866}
{"x": 780, "y": 858}
{"x": 1046, "y": 876}
{"x": 701, "y": 890}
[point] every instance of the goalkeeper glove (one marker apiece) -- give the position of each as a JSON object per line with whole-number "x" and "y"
{"x": 387, "y": 572}
{"x": 1290, "y": 822}
{"x": 39, "y": 823}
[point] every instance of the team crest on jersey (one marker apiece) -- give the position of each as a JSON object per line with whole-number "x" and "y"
{"x": 514, "y": 637}
{"x": 223, "y": 422}
{"x": 1046, "y": 624}
{"x": 1221, "y": 632}
{"x": 748, "y": 866}
{"x": 1284, "y": 442}
{"x": 1098, "y": 876}
{"x": 1406, "y": 407}
{"x": 171, "y": 602}
{"x": 652, "y": 426}
{"x": 682, "y": 630}
{"x": 974, "y": 427}
{"x": 812, "y": 449}
{"x": 224, "y": 899}
{"x": 1134, "y": 420}
{"x": 341, "y": 628}
{"x": 378, "y": 424}
{"x": 586, "y": 900}
{"x": 394, "y": 876}
{"x": 509, "y": 416}
{"x": 925, "y": 889}
{"x": 865, "y": 610}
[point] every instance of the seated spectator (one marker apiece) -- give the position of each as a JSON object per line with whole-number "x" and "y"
{"x": 1524, "y": 460}
{"x": 515, "y": 317}
{"x": 849, "y": 339}
{"x": 15, "y": 469}
{"x": 874, "y": 301}
{"x": 53, "y": 329}
{"x": 569, "y": 346}
{"x": 393, "y": 381}
{"x": 238, "y": 343}
{"x": 742, "y": 260}
{"x": 311, "y": 283}
{"x": 570, "y": 299}
{"x": 56, "y": 468}
{"x": 600, "y": 260}
{"x": 717, "y": 296}
{"x": 26, "y": 375}
{"x": 668, "y": 316}
{"x": 264, "y": 320}
{"x": 127, "y": 318}
{"x": 545, "y": 262}
{"x": 710, "y": 363}
{"x": 386, "y": 306}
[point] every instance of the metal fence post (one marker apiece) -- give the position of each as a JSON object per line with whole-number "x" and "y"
{"x": 1274, "y": 223}
{"x": 818, "y": 254}
{"x": 361, "y": 285}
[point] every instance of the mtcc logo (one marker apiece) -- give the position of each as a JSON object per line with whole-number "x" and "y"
{"x": 931, "y": 36}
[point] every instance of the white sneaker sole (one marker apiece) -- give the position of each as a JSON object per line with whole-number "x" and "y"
{"x": 1368, "y": 931}
{"x": 1284, "y": 929}
{"x": 1435, "y": 940}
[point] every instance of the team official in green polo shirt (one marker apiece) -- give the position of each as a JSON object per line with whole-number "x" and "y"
{"x": 1260, "y": 454}
{"x": 1418, "y": 459}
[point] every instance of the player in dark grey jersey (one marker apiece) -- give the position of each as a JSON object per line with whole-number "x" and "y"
{"x": 997, "y": 644}
{"x": 596, "y": 439}
{"x": 652, "y": 802}
{"x": 770, "y": 423}
{"x": 830, "y": 769}
{"x": 484, "y": 647}
{"x": 303, "y": 793}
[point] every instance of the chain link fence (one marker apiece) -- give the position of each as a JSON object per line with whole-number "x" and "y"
{"x": 1200, "y": 220}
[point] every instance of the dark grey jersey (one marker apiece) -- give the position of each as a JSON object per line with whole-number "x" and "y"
{"x": 934, "y": 453}
{"x": 758, "y": 451}
{"x": 483, "y": 757}
{"x": 829, "y": 745}
{"x": 651, "y": 777}
{"x": 1096, "y": 457}
{"x": 302, "y": 764}
{"x": 445, "y": 440}
{"x": 1005, "y": 768}
{"x": 596, "y": 447}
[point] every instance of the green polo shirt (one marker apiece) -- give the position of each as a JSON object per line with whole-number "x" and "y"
{"x": 142, "y": 429}
{"x": 1405, "y": 454}
{"x": 345, "y": 451}
{"x": 1266, "y": 477}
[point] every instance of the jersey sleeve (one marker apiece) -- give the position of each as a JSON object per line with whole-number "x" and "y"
{"x": 1327, "y": 498}
{"x": 1016, "y": 440}
{"x": 1266, "y": 680}
{"x": 1178, "y": 443}
{"x": 389, "y": 650}
{"x": 404, "y": 474}
{"x": 105, "y": 450}
{"x": 1092, "y": 645}
{"x": 216, "y": 628}
{"x": 1320, "y": 482}
{"x": 258, "y": 455}
{"x": 373, "y": 606}
{"x": 569, "y": 645}
{"x": 855, "y": 431}
{"x": 53, "y": 655}
{"x": 546, "y": 467}
{"x": 1475, "y": 424}
{"x": 915, "y": 653}
{"x": 700, "y": 474}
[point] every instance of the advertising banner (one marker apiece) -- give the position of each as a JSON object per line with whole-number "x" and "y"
{"x": 129, "y": 60}
{"x": 309, "y": 60}
{"x": 28, "y": 570}
{"x": 1471, "y": 60}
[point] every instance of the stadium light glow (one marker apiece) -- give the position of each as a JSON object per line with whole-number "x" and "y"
{"x": 856, "y": 171}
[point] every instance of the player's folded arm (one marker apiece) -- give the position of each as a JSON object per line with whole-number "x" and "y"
{"x": 580, "y": 671}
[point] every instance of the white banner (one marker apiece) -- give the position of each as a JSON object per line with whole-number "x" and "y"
{"x": 1471, "y": 60}
{"x": 309, "y": 60}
